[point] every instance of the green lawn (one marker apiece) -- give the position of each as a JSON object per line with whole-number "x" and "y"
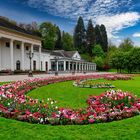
{"x": 69, "y": 96}
{"x": 2, "y": 83}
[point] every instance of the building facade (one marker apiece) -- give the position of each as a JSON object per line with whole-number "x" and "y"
{"x": 16, "y": 44}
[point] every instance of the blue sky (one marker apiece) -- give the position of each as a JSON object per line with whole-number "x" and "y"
{"x": 121, "y": 17}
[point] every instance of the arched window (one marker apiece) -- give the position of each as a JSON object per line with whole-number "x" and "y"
{"x": 18, "y": 65}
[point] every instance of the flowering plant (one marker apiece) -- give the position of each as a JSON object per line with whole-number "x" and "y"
{"x": 109, "y": 106}
{"x": 118, "y": 77}
{"x": 91, "y": 84}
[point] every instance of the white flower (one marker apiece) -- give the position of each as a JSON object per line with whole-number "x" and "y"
{"x": 41, "y": 120}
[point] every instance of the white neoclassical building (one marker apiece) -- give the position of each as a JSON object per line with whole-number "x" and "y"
{"x": 16, "y": 43}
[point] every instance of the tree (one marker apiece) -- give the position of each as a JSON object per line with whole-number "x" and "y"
{"x": 101, "y": 37}
{"x": 49, "y": 35}
{"x": 58, "y": 44}
{"x": 98, "y": 35}
{"x": 134, "y": 59}
{"x": 104, "y": 42}
{"x": 90, "y": 37}
{"x": 118, "y": 61}
{"x": 67, "y": 42}
{"x": 99, "y": 62}
{"x": 126, "y": 45}
{"x": 98, "y": 51}
{"x": 80, "y": 36}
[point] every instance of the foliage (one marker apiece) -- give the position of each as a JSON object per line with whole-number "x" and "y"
{"x": 90, "y": 37}
{"x": 129, "y": 60}
{"x": 48, "y": 32}
{"x": 98, "y": 51}
{"x": 126, "y": 45}
{"x": 104, "y": 42}
{"x": 80, "y": 36}
{"x": 86, "y": 57}
{"x": 58, "y": 44}
{"x": 67, "y": 42}
{"x": 101, "y": 37}
{"x": 117, "y": 60}
{"x": 99, "y": 62}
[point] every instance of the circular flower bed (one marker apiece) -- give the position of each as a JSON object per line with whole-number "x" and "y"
{"x": 109, "y": 106}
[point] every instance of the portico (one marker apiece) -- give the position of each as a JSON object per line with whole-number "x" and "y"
{"x": 70, "y": 65}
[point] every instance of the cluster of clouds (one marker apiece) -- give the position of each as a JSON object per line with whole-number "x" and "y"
{"x": 114, "y": 14}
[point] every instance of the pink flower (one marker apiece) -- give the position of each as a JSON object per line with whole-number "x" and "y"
{"x": 91, "y": 120}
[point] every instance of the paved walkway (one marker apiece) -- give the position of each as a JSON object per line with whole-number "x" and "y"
{"x": 8, "y": 78}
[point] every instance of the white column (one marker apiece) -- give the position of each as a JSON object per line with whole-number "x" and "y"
{"x": 76, "y": 66}
{"x": 22, "y": 57}
{"x": 57, "y": 66}
{"x": 12, "y": 54}
{"x": 83, "y": 67}
{"x": 64, "y": 65}
{"x": 94, "y": 67}
{"x": 86, "y": 67}
{"x": 32, "y": 51}
{"x": 0, "y": 56}
{"x": 40, "y": 58}
{"x": 69, "y": 65}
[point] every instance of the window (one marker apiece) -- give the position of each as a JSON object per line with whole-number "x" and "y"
{"x": 27, "y": 48}
{"x": 18, "y": 65}
{"x": 67, "y": 65}
{"x": 7, "y": 44}
{"x": 34, "y": 65}
{"x": 53, "y": 66}
{"x": 18, "y": 46}
{"x": 61, "y": 66}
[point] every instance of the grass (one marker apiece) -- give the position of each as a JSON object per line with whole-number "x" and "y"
{"x": 2, "y": 83}
{"x": 69, "y": 96}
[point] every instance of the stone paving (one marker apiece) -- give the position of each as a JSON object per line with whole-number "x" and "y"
{"x": 9, "y": 78}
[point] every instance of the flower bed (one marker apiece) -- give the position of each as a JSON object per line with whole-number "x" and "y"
{"x": 109, "y": 106}
{"x": 118, "y": 77}
{"x": 92, "y": 84}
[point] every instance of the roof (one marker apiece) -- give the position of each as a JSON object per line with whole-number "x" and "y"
{"x": 7, "y": 24}
{"x": 62, "y": 53}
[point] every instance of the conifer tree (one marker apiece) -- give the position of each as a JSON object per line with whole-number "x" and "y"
{"x": 58, "y": 45}
{"x": 90, "y": 37}
{"x": 80, "y": 36}
{"x": 104, "y": 38}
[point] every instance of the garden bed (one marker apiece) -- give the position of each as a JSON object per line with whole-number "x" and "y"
{"x": 14, "y": 103}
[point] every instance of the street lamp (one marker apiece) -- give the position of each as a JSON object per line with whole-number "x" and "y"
{"x": 30, "y": 55}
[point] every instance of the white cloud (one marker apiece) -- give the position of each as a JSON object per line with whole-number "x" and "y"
{"x": 136, "y": 35}
{"x": 118, "y": 22}
{"x": 115, "y": 14}
{"x": 86, "y": 8}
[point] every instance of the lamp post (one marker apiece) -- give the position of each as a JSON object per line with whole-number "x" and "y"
{"x": 30, "y": 55}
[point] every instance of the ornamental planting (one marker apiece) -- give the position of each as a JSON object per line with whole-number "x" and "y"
{"x": 109, "y": 106}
